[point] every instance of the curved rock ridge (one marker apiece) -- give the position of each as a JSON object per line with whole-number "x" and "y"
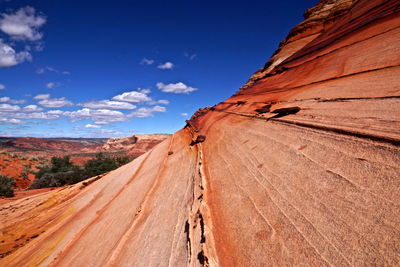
{"x": 299, "y": 168}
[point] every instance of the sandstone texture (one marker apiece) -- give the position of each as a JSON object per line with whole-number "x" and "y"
{"x": 300, "y": 167}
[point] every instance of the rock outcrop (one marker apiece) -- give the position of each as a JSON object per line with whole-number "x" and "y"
{"x": 312, "y": 180}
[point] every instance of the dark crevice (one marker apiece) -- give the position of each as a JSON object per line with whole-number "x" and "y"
{"x": 188, "y": 241}
{"x": 281, "y": 112}
{"x": 203, "y": 237}
{"x": 202, "y": 258}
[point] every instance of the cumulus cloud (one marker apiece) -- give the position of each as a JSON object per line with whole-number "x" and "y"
{"x": 146, "y": 61}
{"x": 108, "y": 104}
{"x": 9, "y": 108}
{"x": 133, "y": 96}
{"x": 176, "y": 88}
{"x": 98, "y": 115}
{"x": 92, "y": 126}
{"x": 9, "y": 57}
{"x": 184, "y": 114}
{"x": 166, "y": 66}
{"x": 31, "y": 108}
{"x": 147, "y": 112}
{"x": 55, "y": 102}
{"x": 2, "y": 86}
{"x": 24, "y": 24}
{"x": 42, "y": 96}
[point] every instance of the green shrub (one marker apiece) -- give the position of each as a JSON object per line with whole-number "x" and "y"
{"x": 6, "y": 186}
{"x": 62, "y": 171}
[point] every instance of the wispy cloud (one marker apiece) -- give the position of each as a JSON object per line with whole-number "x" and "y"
{"x": 146, "y": 61}
{"x": 51, "y": 69}
{"x": 2, "y": 86}
{"x": 166, "y": 66}
{"x": 176, "y": 88}
{"x": 190, "y": 56}
{"x": 184, "y": 114}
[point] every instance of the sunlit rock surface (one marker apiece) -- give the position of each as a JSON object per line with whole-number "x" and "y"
{"x": 299, "y": 168}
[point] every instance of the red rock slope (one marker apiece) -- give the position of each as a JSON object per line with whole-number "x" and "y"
{"x": 299, "y": 168}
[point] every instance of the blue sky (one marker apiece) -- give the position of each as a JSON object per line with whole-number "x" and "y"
{"x": 115, "y": 68}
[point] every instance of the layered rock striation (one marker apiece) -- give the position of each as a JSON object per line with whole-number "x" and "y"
{"x": 299, "y": 168}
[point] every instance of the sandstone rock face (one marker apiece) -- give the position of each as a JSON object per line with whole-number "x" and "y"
{"x": 300, "y": 168}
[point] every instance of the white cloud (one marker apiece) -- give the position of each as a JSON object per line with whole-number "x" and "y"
{"x": 133, "y": 96}
{"x": 23, "y": 24}
{"x": 55, "y": 102}
{"x": 184, "y": 114}
{"x": 4, "y": 99}
{"x": 51, "y": 85}
{"x": 98, "y": 115}
{"x": 108, "y": 104}
{"x": 176, "y": 88}
{"x": 92, "y": 126}
{"x": 21, "y": 101}
{"x": 9, "y": 108}
{"x": 2, "y": 86}
{"x": 42, "y": 96}
{"x": 31, "y": 108}
{"x": 163, "y": 101}
{"x": 101, "y": 122}
{"x": 147, "y": 112}
{"x": 9, "y": 57}
{"x": 146, "y": 61}
{"x": 37, "y": 115}
{"x": 10, "y": 121}
{"x": 166, "y": 66}
{"x": 11, "y": 101}
{"x": 55, "y": 112}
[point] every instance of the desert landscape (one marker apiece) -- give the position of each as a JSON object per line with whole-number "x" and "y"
{"x": 21, "y": 157}
{"x": 299, "y": 167}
